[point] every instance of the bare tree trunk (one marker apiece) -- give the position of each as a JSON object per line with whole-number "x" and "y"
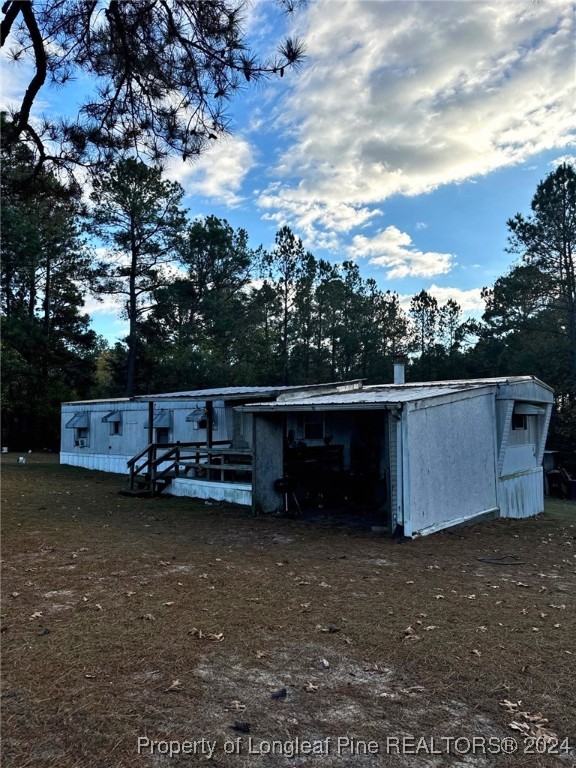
{"x": 132, "y": 318}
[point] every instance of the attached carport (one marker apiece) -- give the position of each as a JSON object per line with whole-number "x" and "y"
{"x": 443, "y": 447}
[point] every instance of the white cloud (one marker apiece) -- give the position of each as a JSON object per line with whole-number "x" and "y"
{"x": 218, "y": 174}
{"x": 470, "y": 301}
{"x": 568, "y": 159}
{"x": 394, "y": 250}
{"x": 108, "y": 306}
{"x": 402, "y": 97}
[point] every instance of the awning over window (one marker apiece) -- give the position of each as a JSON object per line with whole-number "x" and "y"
{"x": 161, "y": 419}
{"x": 528, "y": 409}
{"x": 80, "y": 420}
{"x": 198, "y": 414}
{"x": 112, "y": 416}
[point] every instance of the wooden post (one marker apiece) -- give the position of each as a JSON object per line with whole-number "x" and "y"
{"x": 209, "y": 433}
{"x": 150, "y": 443}
{"x": 209, "y": 422}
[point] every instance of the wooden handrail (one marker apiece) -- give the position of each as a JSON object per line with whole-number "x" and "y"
{"x": 172, "y": 455}
{"x": 134, "y": 459}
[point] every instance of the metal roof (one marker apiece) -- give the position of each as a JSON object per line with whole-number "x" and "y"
{"x": 485, "y": 380}
{"x": 390, "y": 397}
{"x": 385, "y": 395}
{"x": 338, "y": 393}
{"x": 98, "y": 402}
{"x": 243, "y": 393}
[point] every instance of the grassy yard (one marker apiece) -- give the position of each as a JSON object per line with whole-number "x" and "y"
{"x": 172, "y": 620}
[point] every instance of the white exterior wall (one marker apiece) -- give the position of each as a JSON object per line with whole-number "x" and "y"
{"x": 520, "y": 474}
{"x": 449, "y": 462}
{"x": 110, "y": 453}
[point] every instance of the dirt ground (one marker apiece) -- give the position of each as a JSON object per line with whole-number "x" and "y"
{"x": 130, "y": 623}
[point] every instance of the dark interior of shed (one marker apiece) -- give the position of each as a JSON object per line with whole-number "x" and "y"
{"x": 319, "y": 483}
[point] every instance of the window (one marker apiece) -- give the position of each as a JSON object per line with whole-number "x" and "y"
{"x": 313, "y": 426}
{"x": 80, "y": 423}
{"x": 519, "y": 421}
{"x": 199, "y": 419}
{"x": 162, "y": 435}
{"x": 114, "y": 419}
{"x": 81, "y": 437}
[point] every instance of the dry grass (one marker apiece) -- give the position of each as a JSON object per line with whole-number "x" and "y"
{"x": 131, "y": 617}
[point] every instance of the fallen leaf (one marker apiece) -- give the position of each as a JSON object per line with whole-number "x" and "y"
{"x": 522, "y": 727}
{"x": 310, "y": 686}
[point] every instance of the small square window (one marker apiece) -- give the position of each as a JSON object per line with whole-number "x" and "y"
{"x": 313, "y": 426}
{"x": 519, "y": 421}
{"x": 162, "y": 435}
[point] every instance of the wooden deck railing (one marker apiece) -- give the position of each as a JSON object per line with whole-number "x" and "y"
{"x": 165, "y": 461}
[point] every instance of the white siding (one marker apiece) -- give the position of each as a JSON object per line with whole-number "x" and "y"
{"x": 451, "y": 459}
{"x": 102, "y": 445}
{"x": 518, "y": 458}
{"x": 522, "y": 494}
{"x": 393, "y": 453}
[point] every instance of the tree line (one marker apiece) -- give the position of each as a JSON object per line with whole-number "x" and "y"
{"x": 206, "y": 309}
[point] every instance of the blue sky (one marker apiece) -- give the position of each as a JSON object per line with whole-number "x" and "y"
{"x": 412, "y": 132}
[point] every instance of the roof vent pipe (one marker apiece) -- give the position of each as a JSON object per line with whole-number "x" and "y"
{"x": 399, "y": 372}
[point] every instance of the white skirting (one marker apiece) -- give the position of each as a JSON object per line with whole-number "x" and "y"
{"x": 104, "y": 462}
{"x": 234, "y": 493}
{"x": 521, "y": 494}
